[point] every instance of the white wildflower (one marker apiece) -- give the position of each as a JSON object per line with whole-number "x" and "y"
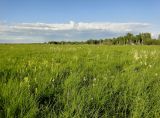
{"x": 136, "y": 57}
{"x": 94, "y": 79}
{"x": 36, "y": 90}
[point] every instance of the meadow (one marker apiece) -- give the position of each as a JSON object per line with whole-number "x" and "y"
{"x": 79, "y": 81}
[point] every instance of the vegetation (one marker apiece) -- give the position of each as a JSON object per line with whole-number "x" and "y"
{"x": 128, "y": 39}
{"x": 80, "y": 81}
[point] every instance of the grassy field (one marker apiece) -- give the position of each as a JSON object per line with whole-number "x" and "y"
{"x": 79, "y": 81}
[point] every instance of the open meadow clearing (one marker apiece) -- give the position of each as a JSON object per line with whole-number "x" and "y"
{"x": 80, "y": 81}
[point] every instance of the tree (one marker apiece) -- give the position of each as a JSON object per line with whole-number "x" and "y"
{"x": 159, "y": 37}
{"x": 128, "y": 38}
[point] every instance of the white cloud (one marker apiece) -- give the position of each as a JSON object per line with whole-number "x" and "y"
{"x": 70, "y": 31}
{"x": 120, "y": 27}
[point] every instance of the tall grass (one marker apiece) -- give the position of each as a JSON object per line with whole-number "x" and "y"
{"x": 80, "y": 81}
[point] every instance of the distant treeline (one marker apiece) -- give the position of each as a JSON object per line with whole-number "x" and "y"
{"x": 128, "y": 39}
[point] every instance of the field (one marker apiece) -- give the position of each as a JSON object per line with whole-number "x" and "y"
{"x": 79, "y": 81}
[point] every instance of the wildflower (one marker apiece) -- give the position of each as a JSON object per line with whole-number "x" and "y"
{"x": 150, "y": 66}
{"x": 156, "y": 74}
{"x": 26, "y": 79}
{"x": 146, "y": 56}
{"x": 36, "y": 90}
{"x": 153, "y": 52}
{"x": 136, "y": 56}
{"x": 145, "y": 63}
{"x": 94, "y": 79}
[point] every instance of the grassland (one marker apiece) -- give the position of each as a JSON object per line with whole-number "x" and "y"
{"x": 79, "y": 81}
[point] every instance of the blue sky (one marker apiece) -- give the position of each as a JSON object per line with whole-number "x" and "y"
{"x": 24, "y": 20}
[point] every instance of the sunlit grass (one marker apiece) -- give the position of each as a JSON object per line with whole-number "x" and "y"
{"x": 79, "y": 81}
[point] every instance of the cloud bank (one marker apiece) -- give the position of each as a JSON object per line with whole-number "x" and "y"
{"x": 43, "y": 32}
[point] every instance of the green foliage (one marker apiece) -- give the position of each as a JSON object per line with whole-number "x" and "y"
{"x": 81, "y": 81}
{"x": 128, "y": 39}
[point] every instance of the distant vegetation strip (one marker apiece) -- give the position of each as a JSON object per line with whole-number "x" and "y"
{"x": 128, "y": 39}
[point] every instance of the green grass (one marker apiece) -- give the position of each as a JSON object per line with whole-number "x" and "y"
{"x": 79, "y": 81}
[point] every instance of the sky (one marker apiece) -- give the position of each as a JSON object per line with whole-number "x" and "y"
{"x": 29, "y": 21}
